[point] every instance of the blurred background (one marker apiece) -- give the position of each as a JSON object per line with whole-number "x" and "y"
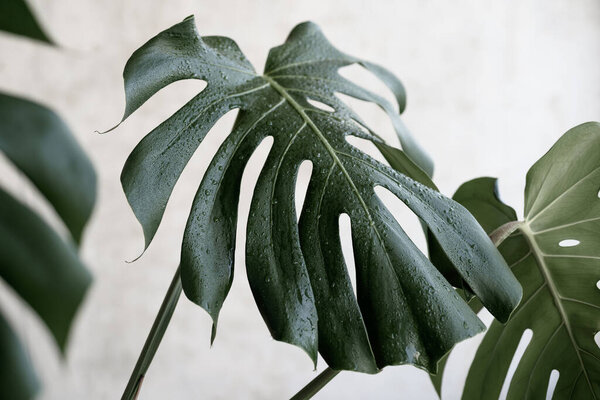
{"x": 491, "y": 86}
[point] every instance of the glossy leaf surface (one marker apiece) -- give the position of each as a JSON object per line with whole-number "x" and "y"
{"x": 404, "y": 310}
{"x": 480, "y": 197}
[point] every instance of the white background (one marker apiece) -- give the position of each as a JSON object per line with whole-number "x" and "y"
{"x": 491, "y": 85}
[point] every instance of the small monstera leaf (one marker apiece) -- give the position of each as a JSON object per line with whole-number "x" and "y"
{"x": 41, "y": 267}
{"x": 404, "y": 311}
{"x": 16, "y": 17}
{"x": 555, "y": 256}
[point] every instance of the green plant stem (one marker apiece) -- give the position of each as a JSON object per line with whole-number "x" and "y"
{"x": 502, "y": 232}
{"x": 154, "y": 338}
{"x": 316, "y": 384}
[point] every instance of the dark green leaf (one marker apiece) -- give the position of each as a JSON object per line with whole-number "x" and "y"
{"x": 403, "y": 164}
{"x": 17, "y": 378}
{"x": 404, "y": 311}
{"x": 37, "y": 141}
{"x": 16, "y": 17}
{"x": 480, "y": 197}
{"x": 43, "y": 269}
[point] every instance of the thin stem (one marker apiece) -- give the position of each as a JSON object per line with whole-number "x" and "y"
{"x": 154, "y": 338}
{"x": 316, "y": 384}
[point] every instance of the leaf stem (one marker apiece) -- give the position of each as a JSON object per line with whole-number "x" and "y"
{"x": 499, "y": 234}
{"x": 316, "y": 384}
{"x": 154, "y": 338}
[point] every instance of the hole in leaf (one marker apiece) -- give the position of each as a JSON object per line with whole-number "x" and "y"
{"x": 255, "y": 164}
{"x": 597, "y": 338}
{"x": 598, "y": 194}
{"x": 373, "y": 116}
{"x": 361, "y": 127}
{"x": 320, "y": 105}
{"x": 347, "y": 250}
{"x": 552, "y": 381}
{"x": 361, "y": 76}
{"x": 162, "y": 105}
{"x": 186, "y": 186}
{"x": 302, "y": 181}
{"x": 366, "y": 146}
{"x": 598, "y": 284}
{"x": 523, "y": 343}
{"x": 568, "y": 243}
{"x": 406, "y": 218}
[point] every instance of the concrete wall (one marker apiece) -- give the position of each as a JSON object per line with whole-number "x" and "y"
{"x": 491, "y": 85}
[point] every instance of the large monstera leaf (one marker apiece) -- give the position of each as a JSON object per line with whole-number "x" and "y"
{"x": 555, "y": 256}
{"x": 404, "y": 311}
{"x": 40, "y": 266}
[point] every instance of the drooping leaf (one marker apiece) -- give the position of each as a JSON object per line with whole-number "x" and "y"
{"x": 557, "y": 260}
{"x": 16, "y": 17}
{"x": 39, "y": 143}
{"x": 17, "y": 378}
{"x": 41, "y": 267}
{"x": 404, "y": 311}
{"x": 480, "y": 197}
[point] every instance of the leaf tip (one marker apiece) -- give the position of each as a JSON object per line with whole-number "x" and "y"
{"x": 213, "y": 332}
{"x": 138, "y": 257}
{"x": 303, "y": 29}
{"x": 97, "y": 132}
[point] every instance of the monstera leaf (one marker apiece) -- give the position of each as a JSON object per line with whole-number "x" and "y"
{"x": 404, "y": 310}
{"x": 40, "y": 266}
{"x": 16, "y": 17}
{"x": 555, "y": 256}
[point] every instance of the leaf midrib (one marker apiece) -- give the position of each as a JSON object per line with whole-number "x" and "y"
{"x": 539, "y": 256}
{"x": 530, "y": 218}
{"x": 336, "y": 160}
{"x": 300, "y": 110}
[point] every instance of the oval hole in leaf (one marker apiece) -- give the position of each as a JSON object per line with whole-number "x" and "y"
{"x": 302, "y": 181}
{"x": 320, "y": 105}
{"x": 552, "y": 381}
{"x": 523, "y": 343}
{"x": 598, "y": 284}
{"x": 409, "y": 222}
{"x": 597, "y": 338}
{"x": 568, "y": 243}
{"x": 347, "y": 250}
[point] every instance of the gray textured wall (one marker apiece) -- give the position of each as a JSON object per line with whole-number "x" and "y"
{"x": 491, "y": 85}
